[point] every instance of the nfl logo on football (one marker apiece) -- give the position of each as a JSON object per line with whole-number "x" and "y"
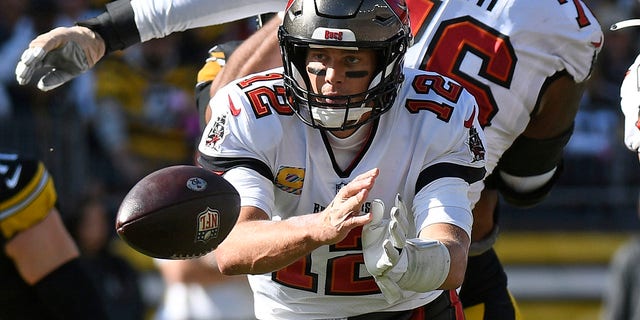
{"x": 207, "y": 225}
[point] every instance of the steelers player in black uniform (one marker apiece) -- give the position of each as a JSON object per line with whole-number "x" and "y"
{"x": 39, "y": 268}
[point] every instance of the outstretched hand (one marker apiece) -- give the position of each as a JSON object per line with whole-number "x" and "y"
{"x": 344, "y": 212}
{"x": 59, "y": 56}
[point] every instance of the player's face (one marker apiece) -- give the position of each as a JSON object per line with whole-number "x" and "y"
{"x": 338, "y": 72}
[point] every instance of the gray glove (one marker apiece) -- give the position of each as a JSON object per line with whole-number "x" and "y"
{"x": 59, "y": 56}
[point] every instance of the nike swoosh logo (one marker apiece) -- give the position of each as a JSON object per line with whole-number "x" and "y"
{"x": 234, "y": 111}
{"x": 13, "y": 181}
{"x": 469, "y": 122}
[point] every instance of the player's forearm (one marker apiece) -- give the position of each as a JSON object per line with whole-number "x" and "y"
{"x": 116, "y": 26}
{"x": 156, "y": 19}
{"x": 202, "y": 270}
{"x": 457, "y": 242}
{"x": 125, "y": 22}
{"x": 262, "y": 246}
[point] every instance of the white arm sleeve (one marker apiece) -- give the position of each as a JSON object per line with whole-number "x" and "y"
{"x": 159, "y": 18}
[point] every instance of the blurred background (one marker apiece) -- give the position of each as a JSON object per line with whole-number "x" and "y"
{"x": 135, "y": 113}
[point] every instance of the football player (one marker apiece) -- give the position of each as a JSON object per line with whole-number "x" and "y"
{"x": 41, "y": 274}
{"x": 310, "y": 147}
{"x": 527, "y": 62}
{"x": 630, "y": 96}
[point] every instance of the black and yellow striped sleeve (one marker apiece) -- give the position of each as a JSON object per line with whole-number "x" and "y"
{"x": 27, "y": 194}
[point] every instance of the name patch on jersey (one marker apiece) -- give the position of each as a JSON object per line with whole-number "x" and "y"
{"x": 290, "y": 179}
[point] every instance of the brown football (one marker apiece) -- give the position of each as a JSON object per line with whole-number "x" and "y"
{"x": 178, "y": 212}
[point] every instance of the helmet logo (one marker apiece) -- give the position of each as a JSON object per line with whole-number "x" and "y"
{"x": 331, "y": 35}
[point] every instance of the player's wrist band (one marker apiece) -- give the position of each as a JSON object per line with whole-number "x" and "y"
{"x": 116, "y": 26}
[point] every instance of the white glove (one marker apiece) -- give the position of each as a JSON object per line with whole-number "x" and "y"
{"x": 59, "y": 56}
{"x": 630, "y": 105}
{"x": 399, "y": 264}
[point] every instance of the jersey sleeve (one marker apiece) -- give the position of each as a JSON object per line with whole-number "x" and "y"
{"x": 234, "y": 132}
{"x": 443, "y": 184}
{"x": 242, "y": 146}
{"x": 157, "y": 19}
{"x": 460, "y": 143}
{"x": 567, "y": 34}
{"x": 27, "y": 194}
{"x": 445, "y": 201}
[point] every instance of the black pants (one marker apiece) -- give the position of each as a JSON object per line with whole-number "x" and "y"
{"x": 446, "y": 306}
{"x": 485, "y": 283}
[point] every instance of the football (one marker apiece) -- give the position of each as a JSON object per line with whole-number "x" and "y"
{"x": 178, "y": 212}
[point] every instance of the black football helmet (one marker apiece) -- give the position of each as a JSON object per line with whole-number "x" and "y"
{"x": 381, "y": 25}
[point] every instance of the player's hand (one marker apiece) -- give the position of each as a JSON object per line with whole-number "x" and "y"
{"x": 59, "y": 56}
{"x": 344, "y": 213}
{"x": 383, "y": 240}
{"x": 398, "y": 263}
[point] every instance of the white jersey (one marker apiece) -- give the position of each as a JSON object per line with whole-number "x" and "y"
{"x": 504, "y": 52}
{"x": 429, "y": 142}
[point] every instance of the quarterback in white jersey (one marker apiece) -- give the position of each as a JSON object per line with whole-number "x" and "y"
{"x": 428, "y": 149}
{"x": 300, "y": 142}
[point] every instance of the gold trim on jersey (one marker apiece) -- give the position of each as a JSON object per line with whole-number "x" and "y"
{"x": 29, "y": 206}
